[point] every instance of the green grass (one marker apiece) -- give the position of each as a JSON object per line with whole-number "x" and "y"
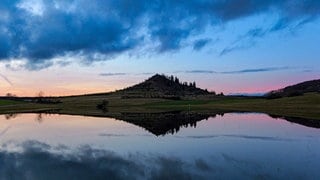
{"x": 306, "y": 106}
{"x": 9, "y": 102}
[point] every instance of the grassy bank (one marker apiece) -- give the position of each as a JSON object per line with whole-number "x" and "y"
{"x": 306, "y": 106}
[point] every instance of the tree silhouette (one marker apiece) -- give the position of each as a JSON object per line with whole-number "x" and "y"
{"x": 171, "y": 78}
{"x": 176, "y": 80}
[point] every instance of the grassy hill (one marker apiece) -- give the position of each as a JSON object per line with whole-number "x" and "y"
{"x": 296, "y": 90}
{"x": 161, "y": 86}
{"x": 158, "y": 94}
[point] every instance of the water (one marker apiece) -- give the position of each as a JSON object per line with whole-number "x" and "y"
{"x": 232, "y": 146}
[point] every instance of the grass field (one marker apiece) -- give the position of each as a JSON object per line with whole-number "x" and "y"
{"x": 306, "y": 106}
{"x": 8, "y": 102}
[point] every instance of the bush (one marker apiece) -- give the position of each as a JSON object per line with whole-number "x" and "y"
{"x": 173, "y": 97}
{"x": 273, "y": 96}
{"x": 103, "y": 105}
{"x": 42, "y": 100}
{"x": 296, "y": 93}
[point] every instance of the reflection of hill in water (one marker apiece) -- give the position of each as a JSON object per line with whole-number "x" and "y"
{"x": 163, "y": 123}
{"x": 305, "y": 122}
{"x": 170, "y": 122}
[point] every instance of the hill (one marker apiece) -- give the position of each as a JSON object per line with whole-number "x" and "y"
{"x": 296, "y": 90}
{"x": 159, "y": 93}
{"x": 161, "y": 86}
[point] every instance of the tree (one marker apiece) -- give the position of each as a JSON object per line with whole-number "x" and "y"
{"x": 40, "y": 94}
{"x": 176, "y": 80}
{"x": 10, "y": 95}
{"x": 40, "y": 98}
{"x": 171, "y": 78}
{"x": 194, "y": 84}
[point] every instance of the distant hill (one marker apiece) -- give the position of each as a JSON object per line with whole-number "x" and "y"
{"x": 161, "y": 86}
{"x": 296, "y": 90}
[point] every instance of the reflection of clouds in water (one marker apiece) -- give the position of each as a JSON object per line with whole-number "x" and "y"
{"x": 122, "y": 135}
{"x": 242, "y": 166}
{"x": 267, "y": 138}
{"x": 38, "y": 160}
{"x": 171, "y": 168}
{"x": 202, "y": 165}
{"x": 5, "y": 130}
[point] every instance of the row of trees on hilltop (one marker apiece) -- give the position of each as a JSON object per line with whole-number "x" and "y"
{"x": 176, "y": 80}
{"x": 190, "y": 84}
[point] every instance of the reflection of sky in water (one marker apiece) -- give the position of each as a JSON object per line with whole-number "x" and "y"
{"x": 243, "y": 145}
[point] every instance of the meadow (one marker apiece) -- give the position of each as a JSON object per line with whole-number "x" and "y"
{"x": 306, "y": 106}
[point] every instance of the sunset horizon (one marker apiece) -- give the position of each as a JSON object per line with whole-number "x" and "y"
{"x": 159, "y": 89}
{"x": 81, "y": 47}
{"x": 100, "y": 86}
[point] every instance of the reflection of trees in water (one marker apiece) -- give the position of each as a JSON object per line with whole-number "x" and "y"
{"x": 39, "y": 118}
{"x": 10, "y": 116}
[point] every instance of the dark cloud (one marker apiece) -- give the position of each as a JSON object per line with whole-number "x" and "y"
{"x": 201, "y": 71}
{"x": 113, "y": 74}
{"x": 255, "y": 70}
{"x": 146, "y": 73}
{"x": 245, "y": 41}
{"x": 250, "y": 38}
{"x": 122, "y": 74}
{"x": 268, "y": 69}
{"x": 201, "y": 43}
{"x": 6, "y": 79}
{"x": 100, "y": 30}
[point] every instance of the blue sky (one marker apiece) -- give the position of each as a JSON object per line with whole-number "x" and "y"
{"x": 81, "y": 46}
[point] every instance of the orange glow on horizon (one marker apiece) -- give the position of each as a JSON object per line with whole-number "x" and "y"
{"x": 56, "y": 91}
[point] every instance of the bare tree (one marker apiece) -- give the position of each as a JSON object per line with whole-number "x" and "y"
{"x": 11, "y": 95}
{"x": 40, "y": 94}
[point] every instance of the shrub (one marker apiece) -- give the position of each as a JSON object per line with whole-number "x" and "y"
{"x": 103, "y": 105}
{"x": 273, "y": 96}
{"x": 296, "y": 93}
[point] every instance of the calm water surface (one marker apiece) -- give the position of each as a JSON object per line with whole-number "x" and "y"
{"x": 232, "y": 146}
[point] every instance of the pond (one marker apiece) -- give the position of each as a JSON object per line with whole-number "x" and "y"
{"x": 226, "y": 146}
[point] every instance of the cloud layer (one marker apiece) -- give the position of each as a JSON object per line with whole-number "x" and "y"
{"x": 202, "y": 71}
{"x": 38, "y": 160}
{"x": 5, "y": 78}
{"x": 39, "y": 31}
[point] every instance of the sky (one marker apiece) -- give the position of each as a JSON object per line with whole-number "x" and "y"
{"x": 65, "y": 47}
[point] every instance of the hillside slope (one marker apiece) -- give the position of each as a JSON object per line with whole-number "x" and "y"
{"x": 162, "y": 86}
{"x": 297, "y": 89}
